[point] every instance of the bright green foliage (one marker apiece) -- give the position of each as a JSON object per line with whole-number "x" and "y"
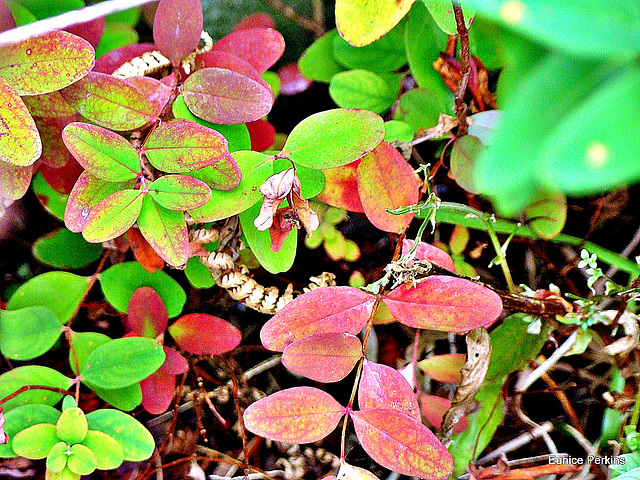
{"x": 362, "y": 89}
{"x": 65, "y": 249}
{"x": 318, "y": 62}
{"x": 23, "y": 417}
{"x": 442, "y": 13}
{"x": 136, "y": 441}
{"x": 361, "y": 22}
{"x": 28, "y": 332}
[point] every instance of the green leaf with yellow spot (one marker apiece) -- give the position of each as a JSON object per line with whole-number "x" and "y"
{"x": 361, "y": 22}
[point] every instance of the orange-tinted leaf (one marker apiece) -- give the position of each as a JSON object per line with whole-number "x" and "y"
{"x": 113, "y": 216}
{"x": 223, "y": 96}
{"x": 203, "y": 334}
{"x": 183, "y": 145}
{"x": 166, "y": 232}
{"x": 383, "y": 386}
{"x": 54, "y": 151}
{"x": 401, "y": 443}
{"x": 222, "y": 59}
{"x": 157, "y": 392}
{"x": 424, "y": 251}
{"x": 324, "y": 357}
{"x": 142, "y": 251}
{"x": 176, "y": 28}
{"x": 19, "y": 139}
{"x": 433, "y": 409}
{"x": 46, "y": 63}
{"x": 350, "y": 472}
{"x": 386, "y": 181}
{"x": 261, "y": 47}
{"x": 146, "y": 314}
{"x": 341, "y": 187}
{"x": 109, "y": 101}
{"x": 444, "y": 303}
{"x": 323, "y": 310}
{"x": 444, "y": 368}
{"x": 295, "y": 415}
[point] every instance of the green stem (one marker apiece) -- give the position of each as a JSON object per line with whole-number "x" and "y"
{"x": 636, "y": 411}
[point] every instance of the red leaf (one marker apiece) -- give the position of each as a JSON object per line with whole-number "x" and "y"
{"x": 64, "y": 178}
{"x": 111, "y": 61}
{"x": 430, "y": 253}
{"x": 324, "y": 357}
{"x": 291, "y": 80}
{"x": 91, "y": 31}
{"x": 262, "y": 135}
{"x": 203, "y": 334}
{"x": 386, "y": 181}
{"x": 146, "y": 314}
{"x": 157, "y": 392}
{"x": 261, "y": 47}
{"x": 6, "y": 23}
{"x": 174, "y": 363}
{"x": 433, "y": 410}
{"x": 295, "y": 415}
{"x": 444, "y": 368}
{"x": 255, "y": 20}
{"x": 383, "y": 386}
{"x": 323, "y": 310}
{"x": 402, "y": 444}
{"x": 177, "y": 27}
{"x": 54, "y": 152}
{"x": 444, "y": 303}
{"x": 222, "y": 59}
{"x": 341, "y": 187}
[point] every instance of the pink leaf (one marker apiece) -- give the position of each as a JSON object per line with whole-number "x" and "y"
{"x": 202, "y": 334}
{"x": 7, "y": 23}
{"x": 222, "y": 59}
{"x": 146, "y": 314}
{"x": 261, "y": 47}
{"x": 111, "y": 61}
{"x": 444, "y": 303}
{"x": 444, "y": 368}
{"x": 401, "y": 443}
{"x": 323, "y": 310}
{"x": 430, "y": 253}
{"x": 156, "y": 91}
{"x": 324, "y": 357}
{"x": 291, "y": 80}
{"x": 177, "y": 27}
{"x": 91, "y": 31}
{"x": 157, "y": 392}
{"x": 174, "y": 363}
{"x": 341, "y": 187}
{"x": 433, "y": 410}
{"x": 386, "y": 182}
{"x": 295, "y": 415}
{"x": 383, "y": 386}
{"x": 255, "y": 20}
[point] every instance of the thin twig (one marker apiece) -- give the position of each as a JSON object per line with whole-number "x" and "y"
{"x": 290, "y": 13}
{"x": 67, "y": 19}
{"x": 461, "y": 107}
{"x": 516, "y": 443}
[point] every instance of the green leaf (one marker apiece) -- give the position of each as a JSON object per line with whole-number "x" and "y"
{"x": 384, "y": 55}
{"x": 198, "y": 275}
{"x": 64, "y": 249}
{"x": 256, "y": 167}
{"x": 125, "y": 398}
{"x": 28, "y": 332}
{"x": 23, "y": 417}
{"x": 317, "y": 62}
{"x": 113, "y": 216}
{"x": 116, "y": 35}
{"x": 83, "y": 344}
{"x": 420, "y": 108}
{"x": 361, "y": 89}
{"x": 136, "y": 441}
{"x": 121, "y": 280}
{"x": 82, "y": 460}
{"x": 72, "y": 426}
{"x": 19, "y": 139}
{"x": 13, "y": 380}
{"x": 53, "y": 201}
{"x": 103, "y": 153}
{"x": 397, "y": 131}
{"x": 237, "y": 135}
{"x": 260, "y": 243}
{"x": 547, "y": 214}
{"x": 57, "y": 458}
{"x": 333, "y": 138}
{"x": 46, "y": 63}
{"x": 179, "y": 192}
{"x": 311, "y": 179}
{"x": 464, "y": 154}
{"x": 35, "y": 442}
{"x": 107, "y": 450}
{"x": 62, "y": 292}
{"x": 442, "y": 13}
{"x": 43, "y": 10}
{"x": 361, "y": 22}
{"x": 122, "y": 362}
{"x": 166, "y": 232}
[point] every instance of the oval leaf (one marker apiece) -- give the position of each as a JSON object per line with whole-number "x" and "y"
{"x": 166, "y": 232}
{"x": 19, "y": 138}
{"x": 444, "y": 368}
{"x": 202, "y": 334}
{"x": 23, "y": 417}
{"x": 146, "y": 315}
{"x": 361, "y": 22}
{"x": 230, "y": 61}
{"x": 64, "y": 249}
{"x": 341, "y": 187}
{"x": 361, "y": 89}
{"x": 183, "y": 145}
{"x": 35, "y": 442}
{"x": 176, "y": 28}
{"x": 72, "y": 426}
{"x": 122, "y": 362}
{"x": 323, "y": 357}
{"x": 383, "y": 386}
{"x": 113, "y": 216}
{"x": 386, "y": 182}
{"x": 179, "y": 192}
{"x": 323, "y": 310}
{"x": 295, "y": 415}
{"x": 46, "y": 63}
{"x": 223, "y": 96}
{"x": 136, "y": 441}
{"x": 13, "y": 380}
{"x": 401, "y": 443}
{"x": 333, "y": 138}
{"x": 261, "y": 47}
{"x": 158, "y": 390}
{"x": 424, "y": 251}
{"x": 444, "y": 303}
{"x": 433, "y": 410}
{"x": 28, "y": 332}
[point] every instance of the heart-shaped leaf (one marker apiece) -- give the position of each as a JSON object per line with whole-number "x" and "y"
{"x": 444, "y": 303}
{"x": 176, "y": 28}
{"x": 179, "y": 192}
{"x": 46, "y": 63}
{"x": 28, "y": 332}
{"x": 223, "y": 96}
{"x": 202, "y": 334}
{"x": 295, "y": 415}
{"x": 261, "y": 47}
{"x": 166, "y": 232}
{"x": 113, "y": 216}
{"x": 323, "y": 357}
{"x": 183, "y": 145}
{"x": 19, "y": 139}
{"x": 333, "y": 138}
{"x": 401, "y": 443}
{"x": 101, "y": 152}
{"x": 13, "y": 380}
{"x": 136, "y": 441}
{"x": 384, "y": 387}
{"x": 361, "y": 22}
{"x": 146, "y": 315}
{"x": 323, "y": 310}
